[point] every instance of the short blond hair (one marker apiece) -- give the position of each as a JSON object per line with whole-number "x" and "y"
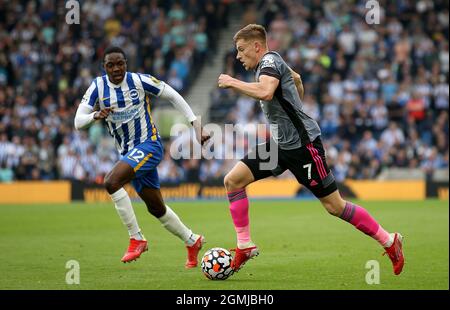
{"x": 251, "y": 32}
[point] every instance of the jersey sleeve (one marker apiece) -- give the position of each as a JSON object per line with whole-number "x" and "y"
{"x": 270, "y": 66}
{"x": 90, "y": 97}
{"x": 151, "y": 84}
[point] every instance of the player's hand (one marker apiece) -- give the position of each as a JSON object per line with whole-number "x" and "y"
{"x": 200, "y": 134}
{"x": 102, "y": 113}
{"x": 224, "y": 81}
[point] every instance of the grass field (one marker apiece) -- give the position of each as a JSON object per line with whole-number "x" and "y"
{"x": 302, "y": 247}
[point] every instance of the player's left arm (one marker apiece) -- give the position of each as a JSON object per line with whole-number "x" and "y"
{"x": 264, "y": 89}
{"x": 298, "y": 83}
{"x": 163, "y": 90}
{"x": 181, "y": 105}
{"x": 178, "y": 102}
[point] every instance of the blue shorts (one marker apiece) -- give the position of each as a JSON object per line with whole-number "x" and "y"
{"x": 144, "y": 158}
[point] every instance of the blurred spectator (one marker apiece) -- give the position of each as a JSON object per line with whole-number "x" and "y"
{"x": 46, "y": 65}
{"x": 169, "y": 172}
{"x": 379, "y": 92}
{"x": 6, "y": 174}
{"x": 416, "y": 107}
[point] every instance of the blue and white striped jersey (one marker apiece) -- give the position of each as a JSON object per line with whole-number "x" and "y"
{"x": 130, "y": 123}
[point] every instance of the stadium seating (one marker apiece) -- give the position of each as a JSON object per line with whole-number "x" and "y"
{"x": 379, "y": 92}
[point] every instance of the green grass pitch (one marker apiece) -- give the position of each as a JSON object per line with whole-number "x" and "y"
{"x": 302, "y": 247}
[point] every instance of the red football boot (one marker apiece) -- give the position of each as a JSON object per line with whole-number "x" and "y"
{"x": 135, "y": 249}
{"x": 395, "y": 253}
{"x": 242, "y": 256}
{"x": 193, "y": 250}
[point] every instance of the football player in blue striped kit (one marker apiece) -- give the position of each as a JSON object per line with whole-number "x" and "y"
{"x": 124, "y": 105}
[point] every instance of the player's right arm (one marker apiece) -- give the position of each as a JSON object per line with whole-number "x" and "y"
{"x": 264, "y": 89}
{"x": 85, "y": 114}
{"x": 298, "y": 83}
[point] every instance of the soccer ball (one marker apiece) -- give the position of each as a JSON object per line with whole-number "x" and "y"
{"x": 216, "y": 264}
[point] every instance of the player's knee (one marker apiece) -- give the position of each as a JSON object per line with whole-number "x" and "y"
{"x": 111, "y": 184}
{"x": 231, "y": 183}
{"x": 227, "y": 181}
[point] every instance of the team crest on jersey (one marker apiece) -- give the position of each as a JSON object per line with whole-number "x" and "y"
{"x": 268, "y": 62}
{"x": 134, "y": 94}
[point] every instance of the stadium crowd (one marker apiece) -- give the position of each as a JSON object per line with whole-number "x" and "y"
{"x": 379, "y": 92}
{"x": 46, "y": 66}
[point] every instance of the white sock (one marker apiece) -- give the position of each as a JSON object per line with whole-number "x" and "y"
{"x": 126, "y": 213}
{"x": 192, "y": 239}
{"x": 245, "y": 245}
{"x": 172, "y": 223}
{"x": 138, "y": 236}
{"x": 390, "y": 241}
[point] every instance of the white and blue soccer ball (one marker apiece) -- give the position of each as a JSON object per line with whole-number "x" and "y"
{"x": 216, "y": 264}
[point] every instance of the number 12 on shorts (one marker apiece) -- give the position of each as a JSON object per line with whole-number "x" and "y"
{"x": 136, "y": 155}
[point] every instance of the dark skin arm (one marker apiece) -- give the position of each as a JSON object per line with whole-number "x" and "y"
{"x": 202, "y": 137}
{"x": 102, "y": 113}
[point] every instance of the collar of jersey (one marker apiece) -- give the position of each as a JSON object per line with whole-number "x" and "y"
{"x": 111, "y": 84}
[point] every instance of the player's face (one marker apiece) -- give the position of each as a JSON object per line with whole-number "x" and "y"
{"x": 115, "y": 66}
{"x": 246, "y": 53}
